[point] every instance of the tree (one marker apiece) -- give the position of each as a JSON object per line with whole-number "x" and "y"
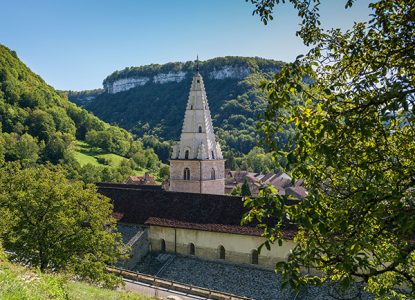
{"x": 2, "y": 147}
{"x": 354, "y": 149}
{"x": 236, "y": 191}
{"x": 245, "y": 190}
{"x": 24, "y": 148}
{"x": 54, "y": 224}
{"x": 164, "y": 171}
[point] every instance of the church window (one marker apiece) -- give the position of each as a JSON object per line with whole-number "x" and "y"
{"x": 186, "y": 154}
{"x": 213, "y": 155}
{"x": 254, "y": 257}
{"x": 212, "y": 174}
{"x": 191, "y": 106}
{"x": 198, "y": 81}
{"x": 191, "y": 249}
{"x": 221, "y": 251}
{"x": 186, "y": 174}
{"x": 162, "y": 245}
{"x": 200, "y": 129}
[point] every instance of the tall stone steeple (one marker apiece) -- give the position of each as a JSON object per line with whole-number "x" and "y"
{"x": 197, "y": 163}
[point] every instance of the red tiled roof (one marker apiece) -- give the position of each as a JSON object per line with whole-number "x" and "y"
{"x": 233, "y": 229}
{"x": 146, "y": 179}
{"x": 205, "y": 227}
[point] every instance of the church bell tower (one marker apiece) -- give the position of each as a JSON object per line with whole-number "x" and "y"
{"x": 197, "y": 164}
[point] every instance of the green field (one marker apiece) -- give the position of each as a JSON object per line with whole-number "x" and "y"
{"x": 86, "y": 154}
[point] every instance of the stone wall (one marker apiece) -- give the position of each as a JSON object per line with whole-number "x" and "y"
{"x": 139, "y": 248}
{"x": 238, "y": 248}
{"x": 200, "y": 176}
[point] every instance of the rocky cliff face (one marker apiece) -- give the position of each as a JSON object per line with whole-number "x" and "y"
{"x": 124, "y": 84}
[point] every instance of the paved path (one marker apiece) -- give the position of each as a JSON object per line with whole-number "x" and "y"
{"x": 160, "y": 293}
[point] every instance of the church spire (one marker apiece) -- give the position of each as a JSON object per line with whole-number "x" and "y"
{"x": 197, "y": 164}
{"x": 198, "y": 138}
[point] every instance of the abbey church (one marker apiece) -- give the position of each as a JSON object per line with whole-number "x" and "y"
{"x": 193, "y": 216}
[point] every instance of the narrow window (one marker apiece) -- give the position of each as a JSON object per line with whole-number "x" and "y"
{"x": 163, "y": 245}
{"x": 191, "y": 249}
{"x": 221, "y": 250}
{"x": 186, "y": 174}
{"x": 213, "y": 155}
{"x": 254, "y": 257}
{"x": 212, "y": 174}
{"x": 186, "y": 154}
{"x": 200, "y": 129}
{"x": 191, "y": 106}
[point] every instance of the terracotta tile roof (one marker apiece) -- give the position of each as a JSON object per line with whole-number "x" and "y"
{"x": 266, "y": 177}
{"x": 246, "y": 230}
{"x": 298, "y": 192}
{"x": 233, "y": 229}
{"x": 144, "y": 180}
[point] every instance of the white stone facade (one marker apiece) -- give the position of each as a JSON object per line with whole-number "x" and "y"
{"x": 238, "y": 247}
{"x": 197, "y": 163}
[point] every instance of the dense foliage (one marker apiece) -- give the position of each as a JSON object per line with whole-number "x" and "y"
{"x": 82, "y": 97}
{"x": 39, "y": 125}
{"x": 56, "y": 224}
{"x": 354, "y": 150}
{"x": 157, "y": 110}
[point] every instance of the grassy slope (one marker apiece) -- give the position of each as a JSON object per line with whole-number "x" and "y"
{"x": 86, "y": 154}
{"x": 17, "y": 282}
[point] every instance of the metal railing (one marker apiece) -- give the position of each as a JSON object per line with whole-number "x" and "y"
{"x": 174, "y": 285}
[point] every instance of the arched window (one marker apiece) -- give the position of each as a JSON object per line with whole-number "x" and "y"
{"x": 221, "y": 251}
{"x": 186, "y": 154}
{"x": 186, "y": 174}
{"x": 191, "y": 249}
{"x": 200, "y": 129}
{"x": 191, "y": 106}
{"x": 163, "y": 245}
{"x": 213, "y": 155}
{"x": 254, "y": 257}
{"x": 212, "y": 174}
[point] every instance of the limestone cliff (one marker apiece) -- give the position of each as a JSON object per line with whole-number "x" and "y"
{"x": 217, "y": 68}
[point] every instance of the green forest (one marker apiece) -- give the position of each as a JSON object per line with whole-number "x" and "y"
{"x": 38, "y": 125}
{"x": 154, "y": 112}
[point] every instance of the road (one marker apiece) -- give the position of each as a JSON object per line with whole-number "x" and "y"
{"x": 160, "y": 293}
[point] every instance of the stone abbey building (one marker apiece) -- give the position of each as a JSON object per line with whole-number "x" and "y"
{"x": 197, "y": 164}
{"x": 194, "y": 216}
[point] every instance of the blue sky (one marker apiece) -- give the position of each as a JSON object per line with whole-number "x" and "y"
{"x": 75, "y": 44}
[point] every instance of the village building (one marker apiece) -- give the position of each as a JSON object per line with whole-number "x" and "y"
{"x": 147, "y": 179}
{"x": 280, "y": 180}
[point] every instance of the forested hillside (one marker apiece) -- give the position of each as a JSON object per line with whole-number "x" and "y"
{"x": 155, "y": 105}
{"x": 38, "y": 125}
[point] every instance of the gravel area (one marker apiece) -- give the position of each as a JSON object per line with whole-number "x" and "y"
{"x": 242, "y": 280}
{"x": 128, "y": 231}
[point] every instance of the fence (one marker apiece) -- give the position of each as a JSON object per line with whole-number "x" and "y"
{"x": 175, "y": 286}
